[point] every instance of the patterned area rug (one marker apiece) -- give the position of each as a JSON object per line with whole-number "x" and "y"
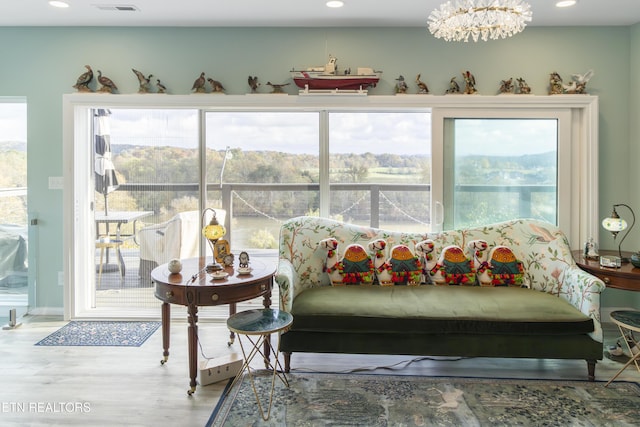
{"x": 96, "y": 333}
{"x": 382, "y": 400}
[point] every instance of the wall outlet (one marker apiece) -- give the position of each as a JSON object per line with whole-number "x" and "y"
{"x": 60, "y": 278}
{"x": 56, "y": 182}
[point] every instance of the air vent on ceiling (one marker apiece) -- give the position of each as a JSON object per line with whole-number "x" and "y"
{"x": 118, "y": 7}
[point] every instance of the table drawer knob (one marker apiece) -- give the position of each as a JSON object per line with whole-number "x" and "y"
{"x": 215, "y": 297}
{"x": 263, "y": 287}
{"x": 169, "y": 294}
{"x": 606, "y": 280}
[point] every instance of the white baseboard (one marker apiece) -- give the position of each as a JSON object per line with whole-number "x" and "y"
{"x": 46, "y": 311}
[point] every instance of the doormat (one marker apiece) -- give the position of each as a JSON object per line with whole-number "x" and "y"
{"x": 97, "y": 333}
{"x": 384, "y": 400}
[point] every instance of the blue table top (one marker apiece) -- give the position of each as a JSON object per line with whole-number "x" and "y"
{"x": 628, "y": 318}
{"x": 259, "y": 322}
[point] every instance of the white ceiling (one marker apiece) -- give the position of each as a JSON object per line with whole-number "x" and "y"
{"x": 289, "y": 13}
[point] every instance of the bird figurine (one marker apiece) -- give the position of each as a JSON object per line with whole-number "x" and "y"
{"x": 161, "y": 88}
{"x": 506, "y": 86}
{"x": 401, "y": 85}
{"x": 583, "y": 78}
{"x": 469, "y": 82}
{"x": 277, "y": 88}
{"x": 82, "y": 84}
{"x": 523, "y": 87}
{"x": 198, "y": 85}
{"x": 581, "y": 81}
{"x": 422, "y": 86}
{"x": 253, "y": 83}
{"x": 216, "y": 86}
{"x": 454, "y": 87}
{"x": 555, "y": 84}
{"x": 107, "y": 84}
{"x": 144, "y": 81}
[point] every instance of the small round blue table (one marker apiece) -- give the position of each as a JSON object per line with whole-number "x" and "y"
{"x": 260, "y": 323}
{"x": 628, "y": 321}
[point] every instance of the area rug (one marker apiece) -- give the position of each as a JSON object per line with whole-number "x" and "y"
{"x": 97, "y": 333}
{"x": 382, "y": 400}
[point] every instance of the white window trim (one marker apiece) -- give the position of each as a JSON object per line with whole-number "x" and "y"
{"x": 583, "y": 110}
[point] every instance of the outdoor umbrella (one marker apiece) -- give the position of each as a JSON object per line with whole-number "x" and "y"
{"x": 105, "y": 172}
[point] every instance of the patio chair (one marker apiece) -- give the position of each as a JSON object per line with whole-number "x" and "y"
{"x": 179, "y": 237}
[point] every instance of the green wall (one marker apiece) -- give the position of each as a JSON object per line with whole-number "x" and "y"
{"x": 43, "y": 63}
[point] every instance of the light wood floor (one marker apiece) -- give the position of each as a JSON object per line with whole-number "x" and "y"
{"x": 127, "y": 386}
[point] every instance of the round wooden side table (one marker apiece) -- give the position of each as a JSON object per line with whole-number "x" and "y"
{"x": 194, "y": 288}
{"x": 627, "y": 277}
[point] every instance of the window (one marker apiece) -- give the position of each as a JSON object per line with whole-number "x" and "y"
{"x": 262, "y": 167}
{"x": 380, "y": 168}
{"x": 413, "y": 162}
{"x": 500, "y": 169}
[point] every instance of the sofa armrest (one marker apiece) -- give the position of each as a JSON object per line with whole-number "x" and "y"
{"x": 583, "y": 291}
{"x": 287, "y": 279}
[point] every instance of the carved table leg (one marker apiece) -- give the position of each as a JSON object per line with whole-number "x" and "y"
{"x": 192, "y": 334}
{"x": 166, "y": 324}
{"x": 232, "y": 311}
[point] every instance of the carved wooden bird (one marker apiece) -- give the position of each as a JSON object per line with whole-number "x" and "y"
{"x": 277, "y": 88}
{"x": 422, "y": 86}
{"x": 198, "y": 85}
{"x": 107, "y": 84}
{"x": 161, "y": 88}
{"x": 82, "y": 84}
{"x": 253, "y": 83}
{"x": 141, "y": 78}
{"x": 216, "y": 86}
{"x": 454, "y": 87}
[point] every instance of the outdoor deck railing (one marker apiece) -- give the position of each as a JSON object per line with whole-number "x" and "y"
{"x": 525, "y": 193}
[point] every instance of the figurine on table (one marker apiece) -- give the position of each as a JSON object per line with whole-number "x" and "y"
{"x": 243, "y": 260}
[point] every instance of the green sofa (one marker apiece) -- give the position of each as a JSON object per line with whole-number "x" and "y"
{"x": 553, "y": 313}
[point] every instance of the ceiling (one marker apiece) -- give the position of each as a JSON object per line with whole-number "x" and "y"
{"x": 288, "y": 13}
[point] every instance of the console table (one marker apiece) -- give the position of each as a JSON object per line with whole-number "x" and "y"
{"x": 193, "y": 287}
{"x": 627, "y": 277}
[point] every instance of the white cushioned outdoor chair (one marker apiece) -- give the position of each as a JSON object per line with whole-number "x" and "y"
{"x": 179, "y": 237}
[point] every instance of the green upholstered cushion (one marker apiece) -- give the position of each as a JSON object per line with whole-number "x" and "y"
{"x": 436, "y": 309}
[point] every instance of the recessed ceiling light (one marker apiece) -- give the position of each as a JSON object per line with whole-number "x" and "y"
{"x": 566, "y": 3}
{"x": 60, "y": 4}
{"x": 335, "y": 3}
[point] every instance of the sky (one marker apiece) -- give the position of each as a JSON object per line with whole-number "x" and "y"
{"x": 297, "y": 132}
{"x": 13, "y": 121}
{"x": 293, "y": 132}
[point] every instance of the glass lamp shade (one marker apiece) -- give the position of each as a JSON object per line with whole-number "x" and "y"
{"x": 213, "y": 232}
{"x": 614, "y": 225}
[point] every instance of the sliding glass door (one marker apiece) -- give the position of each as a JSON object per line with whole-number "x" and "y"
{"x": 13, "y": 206}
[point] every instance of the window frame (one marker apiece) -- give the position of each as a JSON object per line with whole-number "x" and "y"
{"x": 443, "y": 191}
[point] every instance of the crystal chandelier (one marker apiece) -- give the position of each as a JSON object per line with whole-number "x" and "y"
{"x": 485, "y": 19}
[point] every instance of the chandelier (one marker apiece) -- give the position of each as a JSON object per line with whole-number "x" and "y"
{"x": 485, "y": 19}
